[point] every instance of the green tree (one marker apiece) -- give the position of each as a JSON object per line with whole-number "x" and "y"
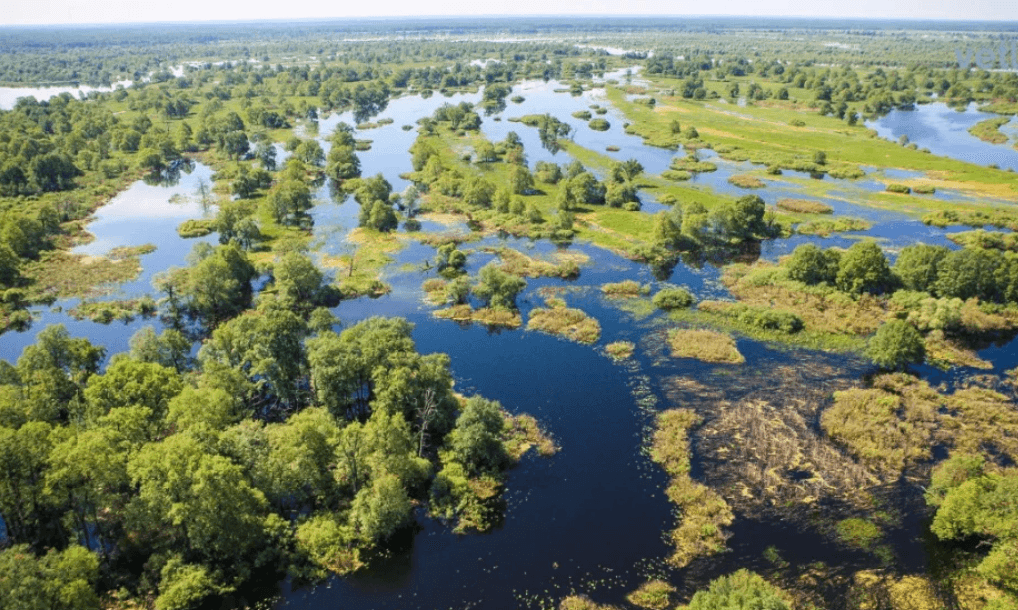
{"x": 497, "y": 288}
{"x": 917, "y": 264}
{"x": 863, "y": 268}
{"x": 475, "y": 441}
{"x": 521, "y": 181}
{"x": 380, "y": 508}
{"x": 60, "y": 579}
{"x": 128, "y": 382}
{"x": 895, "y": 345}
{"x": 742, "y": 590}
{"x": 970, "y": 272}
{"x": 810, "y": 264}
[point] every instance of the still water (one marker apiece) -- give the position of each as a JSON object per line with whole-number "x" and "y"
{"x": 592, "y": 518}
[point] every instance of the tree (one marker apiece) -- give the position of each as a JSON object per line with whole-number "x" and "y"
{"x": 521, "y": 181}
{"x": 742, "y": 590}
{"x": 380, "y": 508}
{"x": 970, "y": 272}
{"x": 475, "y": 441}
{"x": 54, "y": 171}
{"x": 626, "y": 171}
{"x": 266, "y": 154}
{"x": 863, "y": 268}
{"x": 169, "y": 348}
{"x": 895, "y": 345}
{"x": 235, "y": 144}
{"x": 298, "y": 281}
{"x": 129, "y": 382}
{"x": 289, "y": 201}
{"x": 60, "y": 579}
{"x": 219, "y": 286}
{"x": 497, "y": 288}
{"x": 811, "y": 265}
{"x": 342, "y": 164}
{"x": 917, "y": 264}
{"x": 9, "y": 266}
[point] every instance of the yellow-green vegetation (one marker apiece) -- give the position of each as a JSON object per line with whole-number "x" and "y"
{"x": 669, "y": 299}
{"x": 887, "y": 427}
{"x": 1002, "y": 218}
{"x": 702, "y": 512}
{"x": 901, "y": 189}
{"x": 565, "y": 265}
{"x": 562, "y": 321}
{"x": 989, "y": 130}
{"x": 581, "y": 602}
{"x": 858, "y": 533}
{"x": 692, "y": 164}
{"x": 359, "y": 272}
{"x": 59, "y": 274}
{"x": 653, "y": 594}
{"x": 625, "y": 289}
{"x": 979, "y": 238}
{"x": 196, "y": 227}
{"x": 485, "y": 315}
{"x": 872, "y": 589}
{"x": 522, "y": 433}
{"x": 894, "y": 424}
{"x": 821, "y": 308}
{"x": 434, "y": 290}
{"x": 839, "y": 224}
{"x": 763, "y": 133}
{"x": 746, "y": 181}
{"x": 705, "y": 345}
{"x": 105, "y": 312}
{"x": 620, "y": 350}
{"x": 944, "y": 353}
{"x": 599, "y": 124}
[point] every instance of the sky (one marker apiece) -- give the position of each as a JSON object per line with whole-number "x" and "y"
{"x": 25, "y": 12}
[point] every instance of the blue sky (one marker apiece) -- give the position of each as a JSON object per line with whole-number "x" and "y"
{"x": 124, "y": 11}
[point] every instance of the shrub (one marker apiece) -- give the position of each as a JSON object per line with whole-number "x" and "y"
{"x": 673, "y": 298}
{"x": 895, "y": 345}
{"x": 898, "y": 188}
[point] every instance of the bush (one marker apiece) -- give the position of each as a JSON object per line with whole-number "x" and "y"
{"x": 673, "y": 298}
{"x": 743, "y": 590}
{"x": 811, "y": 265}
{"x": 898, "y": 188}
{"x": 895, "y": 345}
{"x": 863, "y": 268}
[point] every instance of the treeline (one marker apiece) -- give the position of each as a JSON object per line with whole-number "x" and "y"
{"x": 283, "y": 445}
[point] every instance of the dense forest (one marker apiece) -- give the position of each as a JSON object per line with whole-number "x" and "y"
{"x": 248, "y": 435}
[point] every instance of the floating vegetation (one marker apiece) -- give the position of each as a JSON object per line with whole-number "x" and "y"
{"x": 704, "y": 345}
{"x": 60, "y": 274}
{"x": 944, "y": 353}
{"x": 677, "y": 175}
{"x": 703, "y": 513}
{"x": 105, "y": 312}
{"x": 620, "y": 350}
{"x": 746, "y": 181}
{"x": 122, "y": 253}
{"x": 989, "y": 130}
{"x": 825, "y": 227}
{"x": 517, "y": 99}
{"x": 363, "y": 145}
{"x": 434, "y": 290}
{"x": 672, "y": 298}
{"x": 484, "y": 315}
{"x": 625, "y": 289}
{"x": 804, "y": 206}
{"x": 562, "y": 321}
{"x": 1002, "y": 218}
{"x": 924, "y": 189}
{"x": 859, "y": 533}
{"x": 989, "y": 240}
{"x": 901, "y": 189}
{"x": 196, "y": 227}
{"x": 584, "y": 115}
{"x": 612, "y": 148}
{"x": 599, "y": 124}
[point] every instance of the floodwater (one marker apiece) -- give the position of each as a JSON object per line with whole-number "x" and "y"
{"x": 591, "y": 518}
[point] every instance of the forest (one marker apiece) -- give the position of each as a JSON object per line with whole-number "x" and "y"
{"x": 326, "y": 313}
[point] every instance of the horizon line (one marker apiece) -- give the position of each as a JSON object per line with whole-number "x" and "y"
{"x": 436, "y": 17}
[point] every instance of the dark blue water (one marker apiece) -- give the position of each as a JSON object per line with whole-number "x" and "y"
{"x": 593, "y": 516}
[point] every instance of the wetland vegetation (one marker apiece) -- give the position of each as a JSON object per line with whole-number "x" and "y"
{"x": 311, "y": 315}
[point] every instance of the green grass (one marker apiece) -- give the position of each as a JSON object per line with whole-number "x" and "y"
{"x": 562, "y": 321}
{"x": 989, "y": 130}
{"x": 704, "y": 345}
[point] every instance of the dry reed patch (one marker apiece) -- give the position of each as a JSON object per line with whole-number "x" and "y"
{"x": 620, "y": 350}
{"x": 625, "y": 289}
{"x": 888, "y": 427}
{"x": 746, "y": 182}
{"x": 562, "y": 321}
{"x": 804, "y": 206}
{"x": 485, "y": 315}
{"x": 565, "y": 265}
{"x": 705, "y": 345}
{"x": 981, "y": 420}
{"x": 653, "y": 594}
{"x": 768, "y": 456}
